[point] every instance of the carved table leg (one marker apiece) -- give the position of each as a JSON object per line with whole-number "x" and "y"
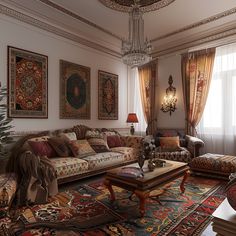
{"x": 142, "y": 200}
{"x": 182, "y": 188}
{"x": 109, "y": 187}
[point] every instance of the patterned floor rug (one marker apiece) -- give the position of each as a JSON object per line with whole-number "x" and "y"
{"x": 86, "y": 210}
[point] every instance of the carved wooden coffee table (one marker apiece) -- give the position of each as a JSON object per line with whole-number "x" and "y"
{"x": 142, "y": 186}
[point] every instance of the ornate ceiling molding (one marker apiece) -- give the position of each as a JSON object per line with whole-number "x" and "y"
{"x": 189, "y": 27}
{"x": 199, "y": 23}
{"x": 77, "y": 17}
{"x": 145, "y": 5}
{"x": 57, "y": 31}
{"x": 217, "y": 35}
{"x": 213, "y": 38}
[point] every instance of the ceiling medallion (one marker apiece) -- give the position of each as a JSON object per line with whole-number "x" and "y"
{"x": 145, "y": 5}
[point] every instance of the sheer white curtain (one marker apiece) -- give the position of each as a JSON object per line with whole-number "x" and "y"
{"x": 218, "y": 124}
{"x": 135, "y": 104}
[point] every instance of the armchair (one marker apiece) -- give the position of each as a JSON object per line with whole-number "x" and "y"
{"x": 187, "y": 148}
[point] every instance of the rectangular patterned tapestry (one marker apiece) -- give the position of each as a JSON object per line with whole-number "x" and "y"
{"x": 27, "y": 84}
{"x": 74, "y": 91}
{"x": 107, "y": 96}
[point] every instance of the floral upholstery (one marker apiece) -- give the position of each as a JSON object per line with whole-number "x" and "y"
{"x": 184, "y": 155}
{"x": 105, "y": 159}
{"x": 129, "y": 153}
{"x": 133, "y": 141}
{"x": 214, "y": 163}
{"x": 189, "y": 145}
{"x": 69, "y": 166}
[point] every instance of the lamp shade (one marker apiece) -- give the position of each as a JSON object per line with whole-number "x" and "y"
{"x": 132, "y": 118}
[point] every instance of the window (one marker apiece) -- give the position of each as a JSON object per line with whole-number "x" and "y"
{"x": 218, "y": 123}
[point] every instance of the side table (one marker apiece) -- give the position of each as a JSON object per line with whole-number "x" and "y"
{"x": 224, "y": 221}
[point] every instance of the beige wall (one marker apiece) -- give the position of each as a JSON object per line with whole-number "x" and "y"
{"x": 170, "y": 66}
{"x": 27, "y": 37}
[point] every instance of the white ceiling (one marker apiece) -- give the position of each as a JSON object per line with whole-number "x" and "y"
{"x": 182, "y": 24}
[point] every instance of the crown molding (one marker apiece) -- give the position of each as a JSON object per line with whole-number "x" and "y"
{"x": 186, "y": 28}
{"x": 197, "y": 24}
{"x": 52, "y": 29}
{"x": 177, "y": 45}
{"x": 181, "y": 30}
{"x": 214, "y": 39}
{"x": 78, "y": 17}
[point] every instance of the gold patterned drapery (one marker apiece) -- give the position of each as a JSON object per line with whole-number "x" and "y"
{"x": 196, "y": 77}
{"x": 148, "y": 83}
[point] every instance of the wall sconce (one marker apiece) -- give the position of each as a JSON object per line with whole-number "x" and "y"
{"x": 132, "y": 118}
{"x": 169, "y": 101}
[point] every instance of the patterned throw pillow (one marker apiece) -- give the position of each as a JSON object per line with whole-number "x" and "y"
{"x": 69, "y": 136}
{"x": 42, "y": 148}
{"x": 114, "y": 141}
{"x": 81, "y": 148}
{"x": 169, "y": 144}
{"x": 97, "y": 141}
{"x": 80, "y": 131}
{"x": 60, "y": 146}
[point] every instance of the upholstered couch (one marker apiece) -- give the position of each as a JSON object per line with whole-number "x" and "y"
{"x": 70, "y": 168}
{"x": 188, "y": 146}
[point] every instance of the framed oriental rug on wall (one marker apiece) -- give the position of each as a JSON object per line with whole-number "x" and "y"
{"x": 27, "y": 84}
{"x": 107, "y": 96}
{"x": 74, "y": 91}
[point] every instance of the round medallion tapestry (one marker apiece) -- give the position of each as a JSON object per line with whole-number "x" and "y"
{"x": 145, "y": 5}
{"x": 76, "y": 91}
{"x": 28, "y": 85}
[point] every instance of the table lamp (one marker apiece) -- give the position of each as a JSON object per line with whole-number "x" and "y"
{"x": 132, "y": 118}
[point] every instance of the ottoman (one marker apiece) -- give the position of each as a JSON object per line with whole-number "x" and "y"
{"x": 213, "y": 165}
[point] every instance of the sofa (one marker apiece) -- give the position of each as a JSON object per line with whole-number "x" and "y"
{"x": 175, "y": 145}
{"x": 70, "y": 168}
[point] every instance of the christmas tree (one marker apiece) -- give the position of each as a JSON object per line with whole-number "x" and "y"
{"x": 5, "y": 133}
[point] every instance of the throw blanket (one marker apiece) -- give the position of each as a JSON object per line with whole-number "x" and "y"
{"x": 36, "y": 176}
{"x": 38, "y": 179}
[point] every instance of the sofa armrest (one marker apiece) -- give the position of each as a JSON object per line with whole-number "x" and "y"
{"x": 133, "y": 141}
{"x": 194, "y": 144}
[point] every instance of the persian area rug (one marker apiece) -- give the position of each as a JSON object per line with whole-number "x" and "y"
{"x": 86, "y": 210}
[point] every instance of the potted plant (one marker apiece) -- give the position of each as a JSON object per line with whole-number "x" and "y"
{"x": 5, "y": 133}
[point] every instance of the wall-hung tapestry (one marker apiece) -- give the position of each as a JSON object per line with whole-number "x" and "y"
{"x": 107, "y": 96}
{"x": 74, "y": 91}
{"x": 27, "y": 84}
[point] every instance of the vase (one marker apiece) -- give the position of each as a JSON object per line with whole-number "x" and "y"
{"x": 231, "y": 191}
{"x": 141, "y": 160}
{"x": 151, "y": 162}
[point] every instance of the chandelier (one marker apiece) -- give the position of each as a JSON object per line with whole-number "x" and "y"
{"x": 136, "y": 51}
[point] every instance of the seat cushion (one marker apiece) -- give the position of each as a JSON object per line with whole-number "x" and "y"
{"x": 128, "y": 152}
{"x": 105, "y": 159}
{"x": 214, "y": 163}
{"x": 69, "y": 166}
{"x": 183, "y": 155}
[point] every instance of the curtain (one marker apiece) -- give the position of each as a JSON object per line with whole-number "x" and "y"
{"x": 217, "y": 127}
{"x": 148, "y": 83}
{"x": 135, "y": 104}
{"x": 196, "y": 77}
